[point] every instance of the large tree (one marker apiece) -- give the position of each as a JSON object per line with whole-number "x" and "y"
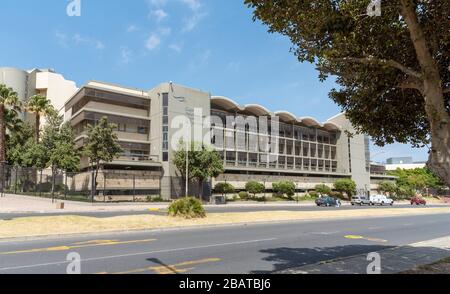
{"x": 102, "y": 146}
{"x": 393, "y": 70}
{"x": 59, "y": 141}
{"x": 8, "y": 98}
{"x": 40, "y": 106}
{"x": 203, "y": 163}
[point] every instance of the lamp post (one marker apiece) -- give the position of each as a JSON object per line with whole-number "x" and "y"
{"x": 187, "y": 169}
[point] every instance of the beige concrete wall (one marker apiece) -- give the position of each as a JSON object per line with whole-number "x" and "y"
{"x": 117, "y": 110}
{"x": 115, "y": 180}
{"x": 306, "y": 183}
{"x": 58, "y": 89}
{"x": 358, "y": 159}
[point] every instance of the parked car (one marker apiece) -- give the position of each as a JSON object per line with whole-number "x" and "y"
{"x": 418, "y": 201}
{"x": 360, "y": 200}
{"x": 327, "y": 201}
{"x": 381, "y": 200}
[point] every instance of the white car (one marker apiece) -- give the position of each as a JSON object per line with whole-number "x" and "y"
{"x": 381, "y": 200}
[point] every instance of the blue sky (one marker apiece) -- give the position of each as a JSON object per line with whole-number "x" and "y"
{"x": 212, "y": 45}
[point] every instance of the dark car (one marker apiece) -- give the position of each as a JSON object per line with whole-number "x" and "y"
{"x": 418, "y": 201}
{"x": 326, "y": 201}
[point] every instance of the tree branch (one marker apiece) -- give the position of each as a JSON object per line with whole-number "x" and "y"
{"x": 447, "y": 90}
{"x": 391, "y": 63}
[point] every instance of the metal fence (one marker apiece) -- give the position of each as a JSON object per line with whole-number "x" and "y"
{"x": 112, "y": 185}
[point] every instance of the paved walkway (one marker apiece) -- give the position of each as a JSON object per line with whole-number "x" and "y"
{"x": 393, "y": 260}
{"x": 28, "y": 204}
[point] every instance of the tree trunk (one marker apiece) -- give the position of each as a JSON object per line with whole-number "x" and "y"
{"x": 438, "y": 117}
{"x": 200, "y": 190}
{"x": 2, "y": 134}
{"x": 53, "y": 180}
{"x": 38, "y": 123}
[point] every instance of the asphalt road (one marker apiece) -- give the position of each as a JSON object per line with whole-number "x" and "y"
{"x": 259, "y": 248}
{"x": 209, "y": 209}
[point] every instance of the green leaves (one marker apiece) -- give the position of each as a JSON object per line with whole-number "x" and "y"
{"x": 255, "y": 187}
{"x": 345, "y": 185}
{"x": 284, "y": 188}
{"x": 323, "y": 189}
{"x": 380, "y": 97}
{"x": 102, "y": 145}
{"x": 204, "y": 163}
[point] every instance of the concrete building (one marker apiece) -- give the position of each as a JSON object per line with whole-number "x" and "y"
{"x": 255, "y": 143}
{"x": 308, "y": 152}
{"x": 399, "y": 160}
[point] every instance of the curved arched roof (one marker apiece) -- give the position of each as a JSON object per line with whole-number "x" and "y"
{"x": 286, "y": 116}
{"x": 225, "y": 103}
{"x": 259, "y": 110}
{"x": 311, "y": 121}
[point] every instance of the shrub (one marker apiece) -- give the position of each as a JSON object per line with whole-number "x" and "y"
{"x": 338, "y": 195}
{"x": 405, "y": 193}
{"x": 387, "y": 187}
{"x": 243, "y": 195}
{"x": 224, "y": 188}
{"x": 313, "y": 194}
{"x": 323, "y": 189}
{"x": 347, "y": 186}
{"x": 254, "y": 188}
{"x": 189, "y": 207}
{"x": 284, "y": 188}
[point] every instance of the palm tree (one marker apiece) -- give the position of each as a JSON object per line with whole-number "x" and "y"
{"x": 40, "y": 106}
{"x": 8, "y": 98}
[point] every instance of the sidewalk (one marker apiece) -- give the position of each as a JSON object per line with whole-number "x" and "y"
{"x": 395, "y": 260}
{"x": 28, "y": 204}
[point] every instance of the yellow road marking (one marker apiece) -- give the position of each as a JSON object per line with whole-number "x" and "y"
{"x": 179, "y": 268}
{"x": 95, "y": 243}
{"x": 153, "y": 209}
{"x": 356, "y": 237}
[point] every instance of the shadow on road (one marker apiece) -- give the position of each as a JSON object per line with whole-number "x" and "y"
{"x": 350, "y": 259}
{"x": 164, "y": 267}
{"x": 286, "y": 258}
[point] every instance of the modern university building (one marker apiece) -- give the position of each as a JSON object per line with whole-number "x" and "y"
{"x": 149, "y": 124}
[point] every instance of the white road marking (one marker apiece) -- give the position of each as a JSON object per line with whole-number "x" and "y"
{"x": 137, "y": 254}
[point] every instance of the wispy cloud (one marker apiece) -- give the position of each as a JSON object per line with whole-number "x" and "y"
{"x": 201, "y": 60}
{"x": 158, "y": 15}
{"x": 177, "y": 47}
{"x": 77, "y": 40}
{"x": 152, "y": 42}
{"x": 132, "y": 28}
{"x": 197, "y": 13}
{"x": 126, "y": 55}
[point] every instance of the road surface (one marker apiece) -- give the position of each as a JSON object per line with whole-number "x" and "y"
{"x": 259, "y": 248}
{"x": 211, "y": 209}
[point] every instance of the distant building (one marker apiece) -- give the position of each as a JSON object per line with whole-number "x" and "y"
{"x": 45, "y": 82}
{"x": 391, "y": 167}
{"x": 399, "y": 160}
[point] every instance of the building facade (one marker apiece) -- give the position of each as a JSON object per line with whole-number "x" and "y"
{"x": 44, "y": 82}
{"x": 255, "y": 143}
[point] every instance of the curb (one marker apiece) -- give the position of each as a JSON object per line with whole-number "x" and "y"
{"x": 193, "y": 227}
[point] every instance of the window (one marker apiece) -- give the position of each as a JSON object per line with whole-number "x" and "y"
{"x": 165, "y": 123}
{"x": 165, "y": 156}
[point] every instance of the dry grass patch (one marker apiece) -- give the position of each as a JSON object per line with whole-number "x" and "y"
{"x": 57, "y": 225}
{"x": 440, "y": 267}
